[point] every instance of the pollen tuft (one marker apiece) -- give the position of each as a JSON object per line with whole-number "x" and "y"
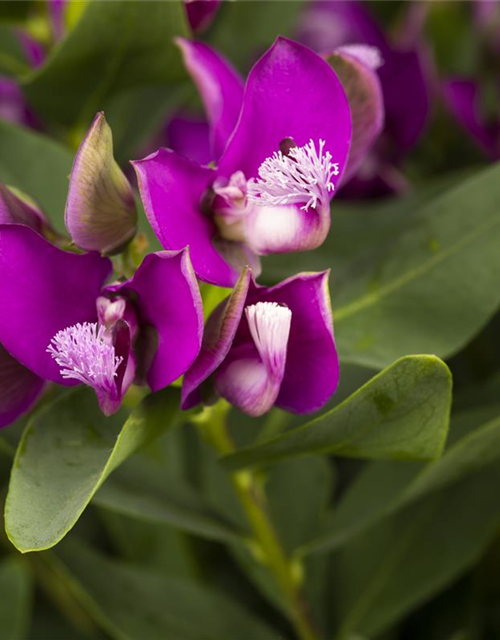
{"x": 269, "y": 325}
{"x": 303, "y": 176}
{"x": 85, "y": 354}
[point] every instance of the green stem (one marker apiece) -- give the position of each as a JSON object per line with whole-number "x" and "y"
{"x": 251, "y": 494}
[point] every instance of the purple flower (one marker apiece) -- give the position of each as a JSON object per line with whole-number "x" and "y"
{"x": 405, "y": 77}
{"x": 200, "y": 13}
{"x": 268, "y": 346}
{"x": 65, "y": 325}
{"x": 13, "y": 106}
{"x": 281, "y": 146}
{"x": 463, "y": 99}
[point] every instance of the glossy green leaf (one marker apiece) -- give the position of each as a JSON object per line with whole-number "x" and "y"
{"x": 66, "y": 453}
{"x": 398, "y": 564}
{"x": 161, "y": 498}
{"x": 15, "y": 599}
{"x": 144, "y": 604}
{"x": 113, "y": 47}
{"x": 383, "y": 488}
{"x": 38, "y": 166}
{"x": 402, "y": 413}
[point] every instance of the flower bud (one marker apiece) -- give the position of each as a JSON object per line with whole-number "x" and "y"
{"x": 16, "y": 208}
{"x": 100, "y": 209}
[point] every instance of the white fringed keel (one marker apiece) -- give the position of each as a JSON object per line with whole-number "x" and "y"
{"x": 85, "y": 354}
{"x": 302, "y": 177}
{"x": 253, "y": 384}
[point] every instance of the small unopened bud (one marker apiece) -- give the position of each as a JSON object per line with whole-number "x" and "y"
{"x": 16, "y": 208}
{"x": 100, "y": 209}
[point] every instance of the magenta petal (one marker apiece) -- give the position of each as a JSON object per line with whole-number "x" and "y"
{"x": 218, "y": 338}
{"x": 167, "y": 298}
{"x": 172, "y": 188}
{"x": 200, "y": 13}
{"x": 43, "y": 290}
{"x": 220, "y": 87}
{"x": 290, "y": 92}
{"x": 189, "y": 137}
{"x": 463, "y": 100}
{"x": 19, "y": 388}
{"x": 312, "y": 366}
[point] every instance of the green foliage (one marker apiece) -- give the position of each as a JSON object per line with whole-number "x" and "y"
{"x": 145, "y": 604}
{"x": 419, "y": 550}
{"x": 66, "y": 453}
{"x": 38, "y": 166}
{"x": 15, "y": 598}
{"x": 401, "y": 413}
{"x": 129, "y": 43}
{"x": 165, "y": 499}
{"x": 14, "y": 11}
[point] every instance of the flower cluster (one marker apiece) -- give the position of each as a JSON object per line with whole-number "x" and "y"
{"x": 80, "y": 313}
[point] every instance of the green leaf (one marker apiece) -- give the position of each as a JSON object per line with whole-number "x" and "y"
{"x": 15, "y": 599}
{"x": 383, "y": 488}
{"x": 243, "y": 30}
{"x": 144, "y": 604}
{"x": 380, "y": 576}
{"x": 401, "y": 413}
{"x": 66, "y": 453}
{"x": 161, "y": 498}
{"x": 427, "y": 289}
{"x": 113, "y": 47}
{"x": 38, "y": 166}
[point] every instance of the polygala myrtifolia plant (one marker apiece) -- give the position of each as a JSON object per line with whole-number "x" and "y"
{"x": 166, "y": 386}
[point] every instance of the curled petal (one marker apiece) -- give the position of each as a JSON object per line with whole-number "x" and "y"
{"x": 19, "y": 388}
{"x": 291, "y": 92}
{"x": 220, "y": 87}
{"x": 356, "y": 70}
{"x": 100, "y": 209}
{"x": 45, "y": 290}
{"x": 172, "y": 188}
{"x": 167, "y": 300}
{"x": 17, "y": 210}
{"x": 218, "y": 338}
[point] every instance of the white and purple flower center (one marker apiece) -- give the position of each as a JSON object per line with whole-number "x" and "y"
{"x": 303, "y": 176}
{"x": 267, "y": 212}
{"x": 85, "y": 353}
{"x": 269, "y": 325}
{"x": 252, "y": 382}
